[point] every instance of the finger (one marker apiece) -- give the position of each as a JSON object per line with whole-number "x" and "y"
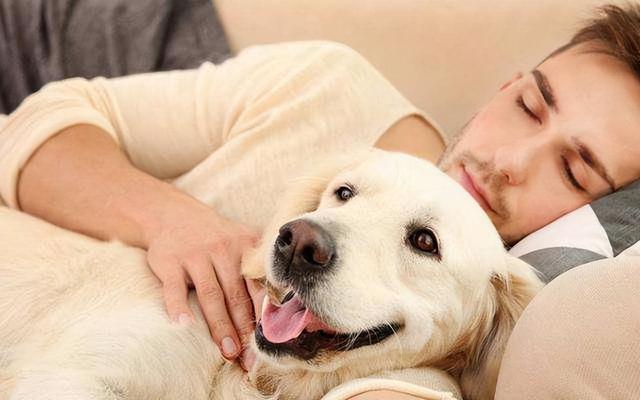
{"x": 176, "y": 293}
{"x": 174, "y": 289}
{"x": 257, "y": 293}
{"x": 237, "y": 297}
{"x": 250, "y": 235}
{"x": 212, "y": 302}
{"x": 247, "y": 359}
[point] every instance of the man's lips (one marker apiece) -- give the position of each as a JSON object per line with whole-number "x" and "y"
{"x": 467, "y": 181}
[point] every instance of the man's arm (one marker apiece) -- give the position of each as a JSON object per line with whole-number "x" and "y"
{"x": 165, "y": 124}
{"x": 80, "y": 180}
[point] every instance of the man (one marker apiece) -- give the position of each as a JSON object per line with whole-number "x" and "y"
{"x": 548, "y": 142}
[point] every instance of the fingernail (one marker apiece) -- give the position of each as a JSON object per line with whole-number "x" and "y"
{"x": 184, "y": 319}
{"x": 228, "y": 347}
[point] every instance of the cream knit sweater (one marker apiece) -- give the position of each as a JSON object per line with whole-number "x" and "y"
{"x": 231, "y": 135}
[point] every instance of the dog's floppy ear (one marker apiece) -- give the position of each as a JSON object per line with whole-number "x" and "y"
{"x": 510, "y": 292}
{"x": 302, "y": 196}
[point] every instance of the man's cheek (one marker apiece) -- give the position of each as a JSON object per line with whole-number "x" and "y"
{"x": 486, "y": 128}
{"x": 536, "y": 217}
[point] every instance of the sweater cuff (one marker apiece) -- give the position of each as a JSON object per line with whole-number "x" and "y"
{"x": 359, "y": 386}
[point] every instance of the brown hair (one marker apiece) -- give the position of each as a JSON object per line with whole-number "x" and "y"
{"x": 614, "y": 31}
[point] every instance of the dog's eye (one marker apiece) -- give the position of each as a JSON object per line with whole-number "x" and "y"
{"x": 344, "y": 193}
{"x": 424, "y": 240}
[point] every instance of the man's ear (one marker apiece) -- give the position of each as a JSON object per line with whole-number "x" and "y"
{"x": 510, "y": 292}
{"x": 301, "y": 197}
{"x": 508, "y": 83}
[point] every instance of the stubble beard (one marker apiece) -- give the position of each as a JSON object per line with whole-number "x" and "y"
{"x": 494, "y": 182}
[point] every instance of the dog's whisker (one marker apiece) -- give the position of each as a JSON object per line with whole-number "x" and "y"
{"x": 397, "y": 339}
{"x": 354, "y": 338}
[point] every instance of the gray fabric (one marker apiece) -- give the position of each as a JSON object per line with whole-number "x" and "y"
{"x": 46, "y": 40}
{"x": 619, "y": 215}
{"x": 553, "y": 261}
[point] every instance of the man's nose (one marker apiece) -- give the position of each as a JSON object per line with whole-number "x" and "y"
{"x": 517, "y": 159}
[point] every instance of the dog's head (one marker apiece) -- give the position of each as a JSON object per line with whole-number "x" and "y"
{"x": 388, "y": 263}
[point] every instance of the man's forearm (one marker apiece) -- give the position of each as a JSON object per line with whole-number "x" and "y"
{"x": 81, "y": 180}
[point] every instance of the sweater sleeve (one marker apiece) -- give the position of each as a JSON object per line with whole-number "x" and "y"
{"x": 424, "y": 383}
{"x": 168, "y": 122}
{"x": 152, "y": 117}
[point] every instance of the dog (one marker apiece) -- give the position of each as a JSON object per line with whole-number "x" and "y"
{"x": 374, "y": 263}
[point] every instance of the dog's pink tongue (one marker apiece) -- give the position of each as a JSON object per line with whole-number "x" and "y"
{"x": 281, "y": 324}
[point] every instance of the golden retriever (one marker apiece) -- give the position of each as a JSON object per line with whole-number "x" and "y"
{"x": 374, "y": 264}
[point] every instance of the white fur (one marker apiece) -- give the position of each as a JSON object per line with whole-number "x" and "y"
{"x": 85, "y": 319}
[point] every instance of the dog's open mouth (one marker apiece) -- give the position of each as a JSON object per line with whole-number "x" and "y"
{"x": 292, "y": 329}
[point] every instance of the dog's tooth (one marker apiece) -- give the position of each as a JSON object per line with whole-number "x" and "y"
{"x": 288, "y": 296}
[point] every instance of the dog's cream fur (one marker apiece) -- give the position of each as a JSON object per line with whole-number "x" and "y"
{"x": 85, "y": 319}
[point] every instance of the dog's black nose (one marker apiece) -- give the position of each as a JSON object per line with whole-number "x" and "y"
{"x": 303, "y": 246}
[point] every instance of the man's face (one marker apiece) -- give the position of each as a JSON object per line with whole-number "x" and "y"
{"x": 551, "y": 141}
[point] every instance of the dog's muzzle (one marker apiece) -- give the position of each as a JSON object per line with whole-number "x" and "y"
{"x": 292, "y": 329}
{"x": 303, "y": 253}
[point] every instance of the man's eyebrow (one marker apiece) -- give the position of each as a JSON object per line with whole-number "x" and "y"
{"x": 594, "y": 163}
{"x": 545, "y": 89}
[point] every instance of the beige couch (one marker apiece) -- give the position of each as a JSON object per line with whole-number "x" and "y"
{"x": 447, "y": 56}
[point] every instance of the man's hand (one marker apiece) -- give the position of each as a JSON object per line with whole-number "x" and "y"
{"x": 188, "y": 243}
{"x": 196, "y": 247}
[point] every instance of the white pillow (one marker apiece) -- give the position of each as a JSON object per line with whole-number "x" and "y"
{"x": 602, "y": 229}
